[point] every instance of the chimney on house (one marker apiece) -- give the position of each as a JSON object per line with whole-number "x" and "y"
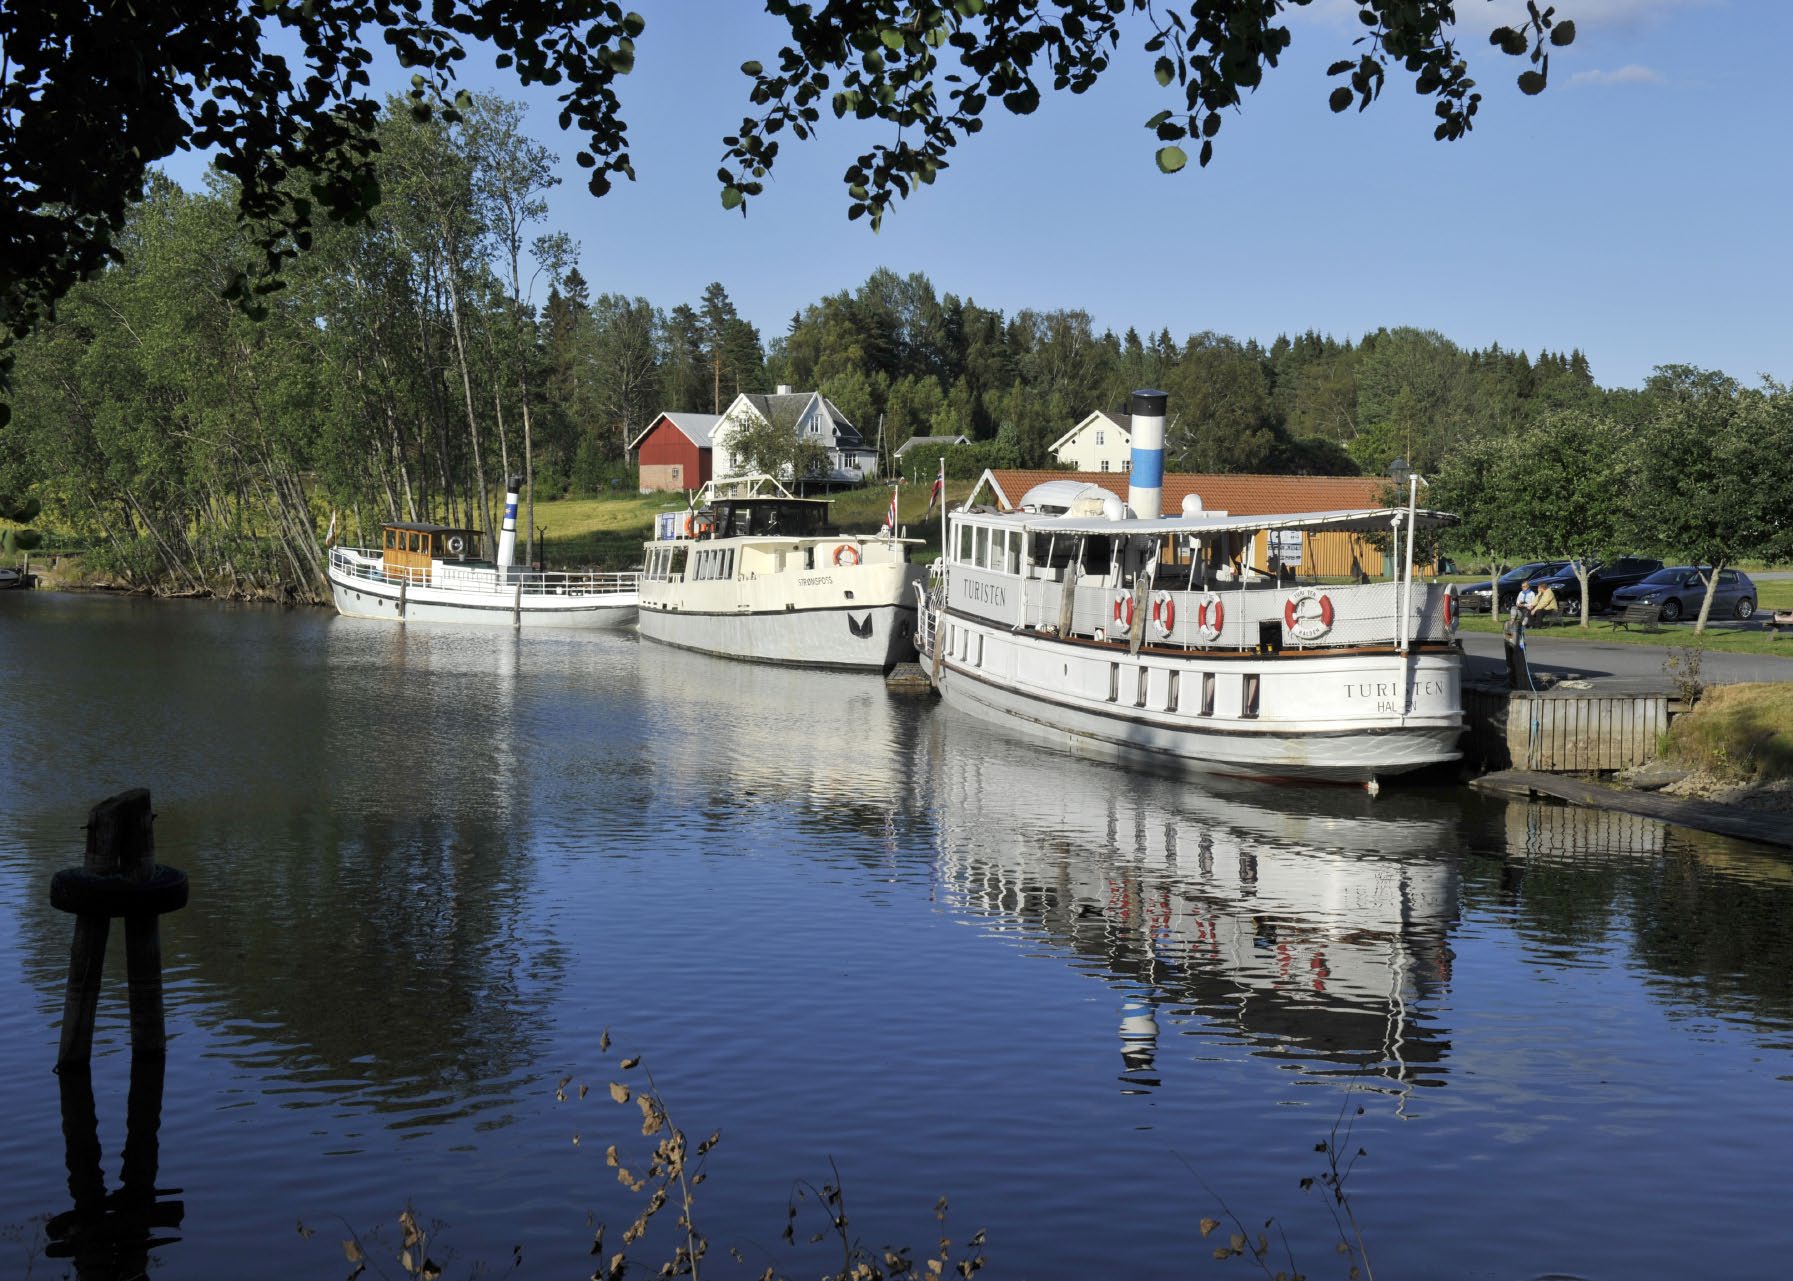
{"x": 784, "y": 389}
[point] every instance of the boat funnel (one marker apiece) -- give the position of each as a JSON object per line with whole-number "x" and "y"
{"x": 507, "y": 537}
{"x": 1145, "y": 479}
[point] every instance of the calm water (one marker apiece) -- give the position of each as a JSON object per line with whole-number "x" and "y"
{"x": 430, "y": 867}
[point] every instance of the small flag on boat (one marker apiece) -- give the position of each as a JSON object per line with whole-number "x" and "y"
{"x": 938, "y": 489}
{"x": 890, "y": 517}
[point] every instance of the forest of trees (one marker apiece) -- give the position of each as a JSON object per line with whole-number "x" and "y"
{"x": 416, "y": 358}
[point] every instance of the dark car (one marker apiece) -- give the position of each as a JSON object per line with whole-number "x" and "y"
{"x": 1678, "y": 590}
{"x": 1501, "y": 593}
{"x": 1605, "y": 579}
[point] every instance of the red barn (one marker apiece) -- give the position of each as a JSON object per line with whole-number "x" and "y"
{"x": 674, "y": 452}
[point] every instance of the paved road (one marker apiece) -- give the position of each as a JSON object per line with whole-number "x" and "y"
{"x": 1601, "y": 658}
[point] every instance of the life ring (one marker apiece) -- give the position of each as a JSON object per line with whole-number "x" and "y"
{"x": 685, "y": 526}
{"x": 1123, "y": 609}
{"x": 846, "y": 554}
{"x": 1210, "y": 617}
{"x": 1164, "y": 613}
{"x": 1450, "y": 608}
{"x": 1308, "y": 614}
{"x": 455, "y": 544}
{"x": 702, "y": 529}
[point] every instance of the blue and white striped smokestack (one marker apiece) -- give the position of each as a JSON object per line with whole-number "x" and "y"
{"x": 507, "y": 537}
{"x": 1145, "y": 480}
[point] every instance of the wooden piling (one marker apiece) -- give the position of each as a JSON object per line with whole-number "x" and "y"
{"x": 118, "y": 877}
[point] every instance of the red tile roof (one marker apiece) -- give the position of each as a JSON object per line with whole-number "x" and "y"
{"x": 1235, "y": 495}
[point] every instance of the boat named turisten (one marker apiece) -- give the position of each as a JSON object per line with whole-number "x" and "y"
{"x": 435, "y": 574}
{"x": 753, "y": 572}
{"x": 1108, "y": 628}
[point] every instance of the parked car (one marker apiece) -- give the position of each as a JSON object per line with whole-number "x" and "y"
{"x": 1607, "y": 577}
{"x": 1678, "y": 590}
{"x": 1500, "y": 594}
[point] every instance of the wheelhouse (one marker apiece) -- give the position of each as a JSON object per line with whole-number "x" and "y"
{"x": 411, "y": 546}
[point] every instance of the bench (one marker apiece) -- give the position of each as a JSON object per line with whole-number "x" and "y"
{"x": 1640, "y": 615}
{"x": 1782, "y": 618}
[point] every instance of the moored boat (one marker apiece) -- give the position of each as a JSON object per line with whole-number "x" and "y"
{"x": 1107, "y": 628}
{"x": 434, "y": 574}
{"x": 753, "y": 572}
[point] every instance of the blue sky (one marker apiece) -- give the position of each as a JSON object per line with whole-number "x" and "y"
{"x": 1638, "y": 209}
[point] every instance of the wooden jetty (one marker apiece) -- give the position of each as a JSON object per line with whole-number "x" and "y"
{"x": 1574, "y": 726}
{"x": 1702, "y": 816}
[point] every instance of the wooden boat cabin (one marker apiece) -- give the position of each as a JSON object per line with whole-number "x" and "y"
{"x": 410, "y": 549}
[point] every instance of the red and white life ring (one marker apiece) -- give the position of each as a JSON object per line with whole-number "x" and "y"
{"x": 1210, "y": 617}
{"x": 1450, "y": 608}
{"x": 1164, "y": 613}
{"x": 1123, "y": 609}
{"x": 846, "y": 554}
{"x": 1308, "y": 614}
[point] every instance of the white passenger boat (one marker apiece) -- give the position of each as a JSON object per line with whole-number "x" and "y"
{"x": 753, "y": 572}
{"x": 434, "y": 574}
{"x": 1108, "y": 628}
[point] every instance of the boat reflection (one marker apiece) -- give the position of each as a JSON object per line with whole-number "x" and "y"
{"x": 832, "y": 749}
{"x": 1308, "y": 924}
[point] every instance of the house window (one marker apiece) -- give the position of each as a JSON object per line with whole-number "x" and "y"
{"x": 1099, "y": 435}
{"x": 1104, "y": 464}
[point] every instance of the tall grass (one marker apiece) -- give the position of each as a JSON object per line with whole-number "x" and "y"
{"x": 1738, "y": 732}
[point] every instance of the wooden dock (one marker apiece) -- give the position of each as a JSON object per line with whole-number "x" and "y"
{"x": 1702, "y": 816}
{"x": 1578, "y": 726}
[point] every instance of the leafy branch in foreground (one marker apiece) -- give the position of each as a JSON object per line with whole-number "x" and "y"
{"x": 930, "y": 68}
{"x": 1350, "y": 1241}
{"x": 673, "y": 1170}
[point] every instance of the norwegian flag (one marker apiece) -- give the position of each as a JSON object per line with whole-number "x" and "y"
{"x": 938, "y": 489}
{"x": 890, "y": 517}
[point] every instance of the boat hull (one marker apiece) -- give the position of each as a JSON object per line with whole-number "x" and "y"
{"x": 360, "y": 597}
{"x": 1349, "y": 724}
{"x": 872, "y": 638}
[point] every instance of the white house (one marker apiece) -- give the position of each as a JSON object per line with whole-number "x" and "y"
{"x": 812, "y": 416}
{"x": 1101, "y": 442}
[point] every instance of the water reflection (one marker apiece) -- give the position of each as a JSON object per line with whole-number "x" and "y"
{"x": 1311, "y": 924}
{"x": 109, "y": 1236}
{"x": 832, "y": 752}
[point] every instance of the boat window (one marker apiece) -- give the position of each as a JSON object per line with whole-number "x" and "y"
{"x": 1114, "y": 682}
{"x": 1056, "y": 553}
{"x": 964, "y": 545}
{"x": 728, "y": 563}
{"x": 980, "y": 650}
{"x": 1013, "y": 561}
{"x": 1170, "y": 691}
{"x": 981, "y": 556}
{"x": 1253, "y": 684}
{"x": 1139, "y": 693}
{"x": 1097, "y": 556}
{"x": 675, "y": 568}
{"x": 1207, "y": 694}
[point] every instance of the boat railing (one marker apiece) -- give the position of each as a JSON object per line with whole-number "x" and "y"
{"x": 371, "y": 567}
{"x": 1228, "y": 616}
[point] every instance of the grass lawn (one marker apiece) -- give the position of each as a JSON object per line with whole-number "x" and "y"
{"x": 607, "y": 533}
{"x": 1723, "y": 635}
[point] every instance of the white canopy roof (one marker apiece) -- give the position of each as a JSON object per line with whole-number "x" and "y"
{"x": 1363, "y": 521}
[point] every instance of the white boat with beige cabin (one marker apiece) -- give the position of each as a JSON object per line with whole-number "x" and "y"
{"x": 1106, "y": 628}
{"x": 424, "y": 573}
{"x": 752, "y": 571}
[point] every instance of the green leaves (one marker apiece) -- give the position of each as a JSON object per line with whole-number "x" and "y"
{"x": 1171, "y": 159}
{"x": 1531, "y": 83}
{"x": 1509, "y": 41}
